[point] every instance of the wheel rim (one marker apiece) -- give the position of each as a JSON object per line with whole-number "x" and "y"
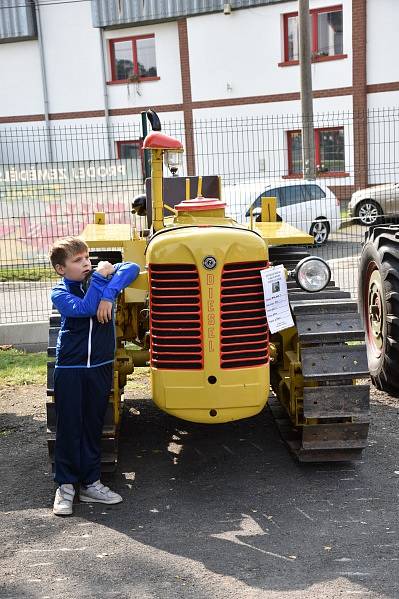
{"x": 368, "y": 213}
{"x": 374, "y": 315}
{"x": 320, "y": 231}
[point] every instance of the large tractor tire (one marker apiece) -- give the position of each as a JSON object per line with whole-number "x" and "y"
{"x": 109, "y": 440}
{"x": 378, "y": 296}
{"x": 333, "y": 411}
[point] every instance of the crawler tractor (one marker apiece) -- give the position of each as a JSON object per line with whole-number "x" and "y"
{"x": 197, "y": 317}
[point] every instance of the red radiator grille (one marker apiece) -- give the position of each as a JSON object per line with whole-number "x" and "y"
{"x": 244, "y": 331}
{"x": 175, "y": 317}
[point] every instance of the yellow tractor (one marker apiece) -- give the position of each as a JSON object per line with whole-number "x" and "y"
{"x": 201, "y": 319}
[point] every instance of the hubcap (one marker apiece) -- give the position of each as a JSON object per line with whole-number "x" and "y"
{"x": 319, "y": 231}
{"x": 368, "y": 214}
{"x": 374, "y": 311}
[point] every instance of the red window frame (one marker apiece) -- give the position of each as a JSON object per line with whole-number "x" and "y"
{"x": 314, "y": 12}
{"x": 317, "y": 153}
{"x": 133, "y": 40}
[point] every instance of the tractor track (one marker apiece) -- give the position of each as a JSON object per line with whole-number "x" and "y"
{"x": 335, "y": 413}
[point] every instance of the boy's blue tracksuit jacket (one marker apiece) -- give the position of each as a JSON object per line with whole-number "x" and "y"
{"x": 83, "y": 342}
{"x": 83, "y": 372}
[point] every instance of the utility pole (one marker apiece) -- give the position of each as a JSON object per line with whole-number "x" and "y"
{"x": 305, "y": 65}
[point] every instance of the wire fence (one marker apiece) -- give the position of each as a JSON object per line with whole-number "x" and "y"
{"x": 52, "y": 181}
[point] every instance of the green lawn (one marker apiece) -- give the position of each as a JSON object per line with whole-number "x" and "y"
{"x": 19, "y": 368}
{"x": 39, "y": 273}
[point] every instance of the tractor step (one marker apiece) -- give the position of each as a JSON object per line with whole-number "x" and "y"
{"x": 296, "y": 296}
{"x": 330, "y": 362}
{"x": 50, "y": 378}
{"x": 109, "y": 426}
{"x": 328, "y": 322}
{"x": 109, "y": 452}
{"x": 338, "y": 442}
{"x": 340, "y": 401}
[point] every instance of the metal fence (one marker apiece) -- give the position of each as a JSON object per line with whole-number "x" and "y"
{"x": 97, "y": 168}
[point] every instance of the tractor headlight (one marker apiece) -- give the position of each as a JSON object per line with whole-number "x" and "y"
{"x": 312, "y": 274}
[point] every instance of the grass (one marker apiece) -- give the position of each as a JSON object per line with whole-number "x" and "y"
{"x": 39, "y": 273}
{"x": 18, "y": 368}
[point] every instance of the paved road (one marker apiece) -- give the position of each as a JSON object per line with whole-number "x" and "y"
{"x": 208, "y": 513}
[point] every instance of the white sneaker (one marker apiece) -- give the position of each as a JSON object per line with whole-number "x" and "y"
{"x": 63, "y": 501}
{"x": 98, "y": 493}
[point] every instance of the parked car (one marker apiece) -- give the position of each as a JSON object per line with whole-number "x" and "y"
{"x": 308, "y": 205}
{"x": 369, "y": 206}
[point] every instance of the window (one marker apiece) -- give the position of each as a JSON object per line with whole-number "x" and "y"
{"x": 131, "y": 150}
{"x": 293, "y": 194}
{"x": 326, "y": 27}
{"x": 269, "y": 193}
{"x": 313, "y": 192}
{"x": 133, "y": 58}
{"x": 329, "y": 151}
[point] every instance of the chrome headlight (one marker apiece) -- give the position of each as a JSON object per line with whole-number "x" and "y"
{"x": 312, "y": 274}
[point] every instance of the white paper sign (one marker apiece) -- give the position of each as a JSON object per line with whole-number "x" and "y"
{"x": 276, "y": 299}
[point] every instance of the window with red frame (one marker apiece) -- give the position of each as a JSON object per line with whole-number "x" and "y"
{"x": 326, "y": 26}
{"x": 329, "y": 151}
{"x": 133, "y": 58}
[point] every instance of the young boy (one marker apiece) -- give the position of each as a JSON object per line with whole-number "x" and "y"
{"x": 83, "y": 369}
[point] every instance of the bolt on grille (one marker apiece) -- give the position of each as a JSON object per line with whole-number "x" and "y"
{"x": 244, "y": 330}
{"x": 175, "y": 317}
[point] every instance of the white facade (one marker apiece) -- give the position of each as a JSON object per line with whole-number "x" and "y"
{"x": 239, "y": 55}
{"x": 235, "y": 56}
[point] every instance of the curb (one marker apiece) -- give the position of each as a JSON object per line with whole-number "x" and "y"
{"x": 29, "y": 336}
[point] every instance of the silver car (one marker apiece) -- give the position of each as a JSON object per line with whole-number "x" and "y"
{"x": 369, "y": 206}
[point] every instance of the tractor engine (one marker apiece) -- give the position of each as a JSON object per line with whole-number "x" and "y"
{"x": 209, "y": 342}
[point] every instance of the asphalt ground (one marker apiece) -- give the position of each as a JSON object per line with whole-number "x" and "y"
{"x": 209, "y": 512}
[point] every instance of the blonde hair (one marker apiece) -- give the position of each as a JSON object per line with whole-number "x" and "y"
{"x": 66, "y": 248}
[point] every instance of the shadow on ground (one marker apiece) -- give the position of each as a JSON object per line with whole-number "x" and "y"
{"x": 208, "y": 511}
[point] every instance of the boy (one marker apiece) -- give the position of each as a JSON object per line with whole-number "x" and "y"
{"x": 83, "y": 369}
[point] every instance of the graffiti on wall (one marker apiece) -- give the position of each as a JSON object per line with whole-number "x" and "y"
{"x": 40, "y": 203}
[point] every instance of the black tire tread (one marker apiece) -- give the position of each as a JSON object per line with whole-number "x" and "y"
{"x": 384, "y": 241}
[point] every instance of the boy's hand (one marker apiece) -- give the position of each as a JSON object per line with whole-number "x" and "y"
{"x": 104, "y": 311}
{"x": 105, "y": 268}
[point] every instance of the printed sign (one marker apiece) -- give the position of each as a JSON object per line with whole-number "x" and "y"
{"x": 275, "y": 292}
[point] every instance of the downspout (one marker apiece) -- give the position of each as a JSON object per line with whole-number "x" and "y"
{"x": 105, "y": 94}
{"x": 44, "y": 82}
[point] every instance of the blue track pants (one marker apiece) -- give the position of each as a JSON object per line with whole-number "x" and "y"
{"x": 81, "y": 397}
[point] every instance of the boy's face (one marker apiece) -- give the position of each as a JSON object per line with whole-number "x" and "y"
{"x": 76, "y": 267}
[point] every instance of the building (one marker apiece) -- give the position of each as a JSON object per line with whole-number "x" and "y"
{"x": 101, "y": 62}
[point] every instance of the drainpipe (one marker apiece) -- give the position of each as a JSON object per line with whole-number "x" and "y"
{"x": 44, "y": 82}
{"x": 105, "y": 94}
